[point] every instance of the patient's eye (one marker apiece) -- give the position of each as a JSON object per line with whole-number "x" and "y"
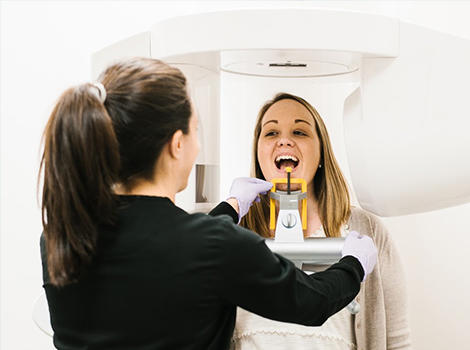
{"x": 271, "y": 133}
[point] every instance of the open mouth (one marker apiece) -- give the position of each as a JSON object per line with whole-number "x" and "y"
{"x": 286, "y": 161}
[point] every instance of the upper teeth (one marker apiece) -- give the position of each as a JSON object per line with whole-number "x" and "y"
{"x": 286, "y": 157}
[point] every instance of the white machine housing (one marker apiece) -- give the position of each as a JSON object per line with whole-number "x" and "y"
{"x": 402, "y": 136}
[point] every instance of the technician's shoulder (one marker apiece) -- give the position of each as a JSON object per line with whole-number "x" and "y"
{"x": 222, "y": 228}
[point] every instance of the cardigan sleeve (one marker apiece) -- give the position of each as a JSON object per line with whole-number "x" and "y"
{"x": 394, "y": 291}
{"x": 382, "y": 323}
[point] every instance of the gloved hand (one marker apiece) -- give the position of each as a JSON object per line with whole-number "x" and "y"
{"x": 246, "y": 190}
{"x": 363, "y": 249}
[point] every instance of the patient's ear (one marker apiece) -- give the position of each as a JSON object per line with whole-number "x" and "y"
{"x": 176, "y": 145}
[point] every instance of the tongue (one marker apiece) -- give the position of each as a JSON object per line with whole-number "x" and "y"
{"x": 286, "y": 163}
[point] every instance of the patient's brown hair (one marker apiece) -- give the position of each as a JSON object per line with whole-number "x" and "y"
{"x": 330, "y": 186}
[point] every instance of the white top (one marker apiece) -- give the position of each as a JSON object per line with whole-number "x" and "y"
{"x": 253, "y": 332}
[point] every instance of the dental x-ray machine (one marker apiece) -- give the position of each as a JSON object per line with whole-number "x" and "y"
{"x": 404, "y": 123}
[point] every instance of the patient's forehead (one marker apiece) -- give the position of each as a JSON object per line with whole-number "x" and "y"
{"x": 287, "y": 109}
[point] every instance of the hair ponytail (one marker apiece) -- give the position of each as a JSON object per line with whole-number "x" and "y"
{"x": 81, "y": 164}
{"x": 97, "y": 137}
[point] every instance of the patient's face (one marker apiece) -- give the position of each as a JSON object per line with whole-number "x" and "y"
{"x": 288, "y": 139}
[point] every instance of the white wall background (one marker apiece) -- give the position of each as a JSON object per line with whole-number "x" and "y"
{"x": 46, "y": 47}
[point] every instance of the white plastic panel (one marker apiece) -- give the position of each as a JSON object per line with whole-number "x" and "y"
{"x": 136, "y": 45}
{"x": 202, "y": 193}
{"x": 407, "y": 127}
{"x": 289, "y": 63}
{"x": 41, "y": 316}
{"x": 284, "y": 29}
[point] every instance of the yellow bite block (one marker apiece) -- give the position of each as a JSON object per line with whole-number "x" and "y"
{"x": 272, "y": 223}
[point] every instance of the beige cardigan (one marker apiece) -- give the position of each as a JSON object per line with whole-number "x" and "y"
{"x": 382, "y": 323}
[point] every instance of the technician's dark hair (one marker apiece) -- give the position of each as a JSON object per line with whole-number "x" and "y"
{"x": 90, "y": 146}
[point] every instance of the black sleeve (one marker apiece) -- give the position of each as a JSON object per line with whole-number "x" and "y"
{"x": 269, "y": 285}
{"x": 225, "y": 208}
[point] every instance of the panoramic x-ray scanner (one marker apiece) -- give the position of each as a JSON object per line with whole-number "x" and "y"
{"x": 393, "y": 95}
{"x": 403, "y": 127}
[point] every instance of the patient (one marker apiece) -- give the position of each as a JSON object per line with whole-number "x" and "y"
{"x": 289, "y": 132}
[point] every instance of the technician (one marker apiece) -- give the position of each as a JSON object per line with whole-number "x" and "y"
{"x": 123, "y": 266}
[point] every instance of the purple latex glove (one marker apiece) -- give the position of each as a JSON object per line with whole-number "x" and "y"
{"x": 246, "y": 190}
{"x": 363, "y": 249}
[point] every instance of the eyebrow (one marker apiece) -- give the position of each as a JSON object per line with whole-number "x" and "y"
{"x": 295, "y": 121}
{"x": 302, "y": 121}
{"x": 270, "y": 121}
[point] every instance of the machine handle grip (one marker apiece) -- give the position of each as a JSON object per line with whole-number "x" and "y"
{"x": 353, "y": 307}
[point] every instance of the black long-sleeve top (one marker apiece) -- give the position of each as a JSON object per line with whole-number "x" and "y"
{"x": 166, "y": 279}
